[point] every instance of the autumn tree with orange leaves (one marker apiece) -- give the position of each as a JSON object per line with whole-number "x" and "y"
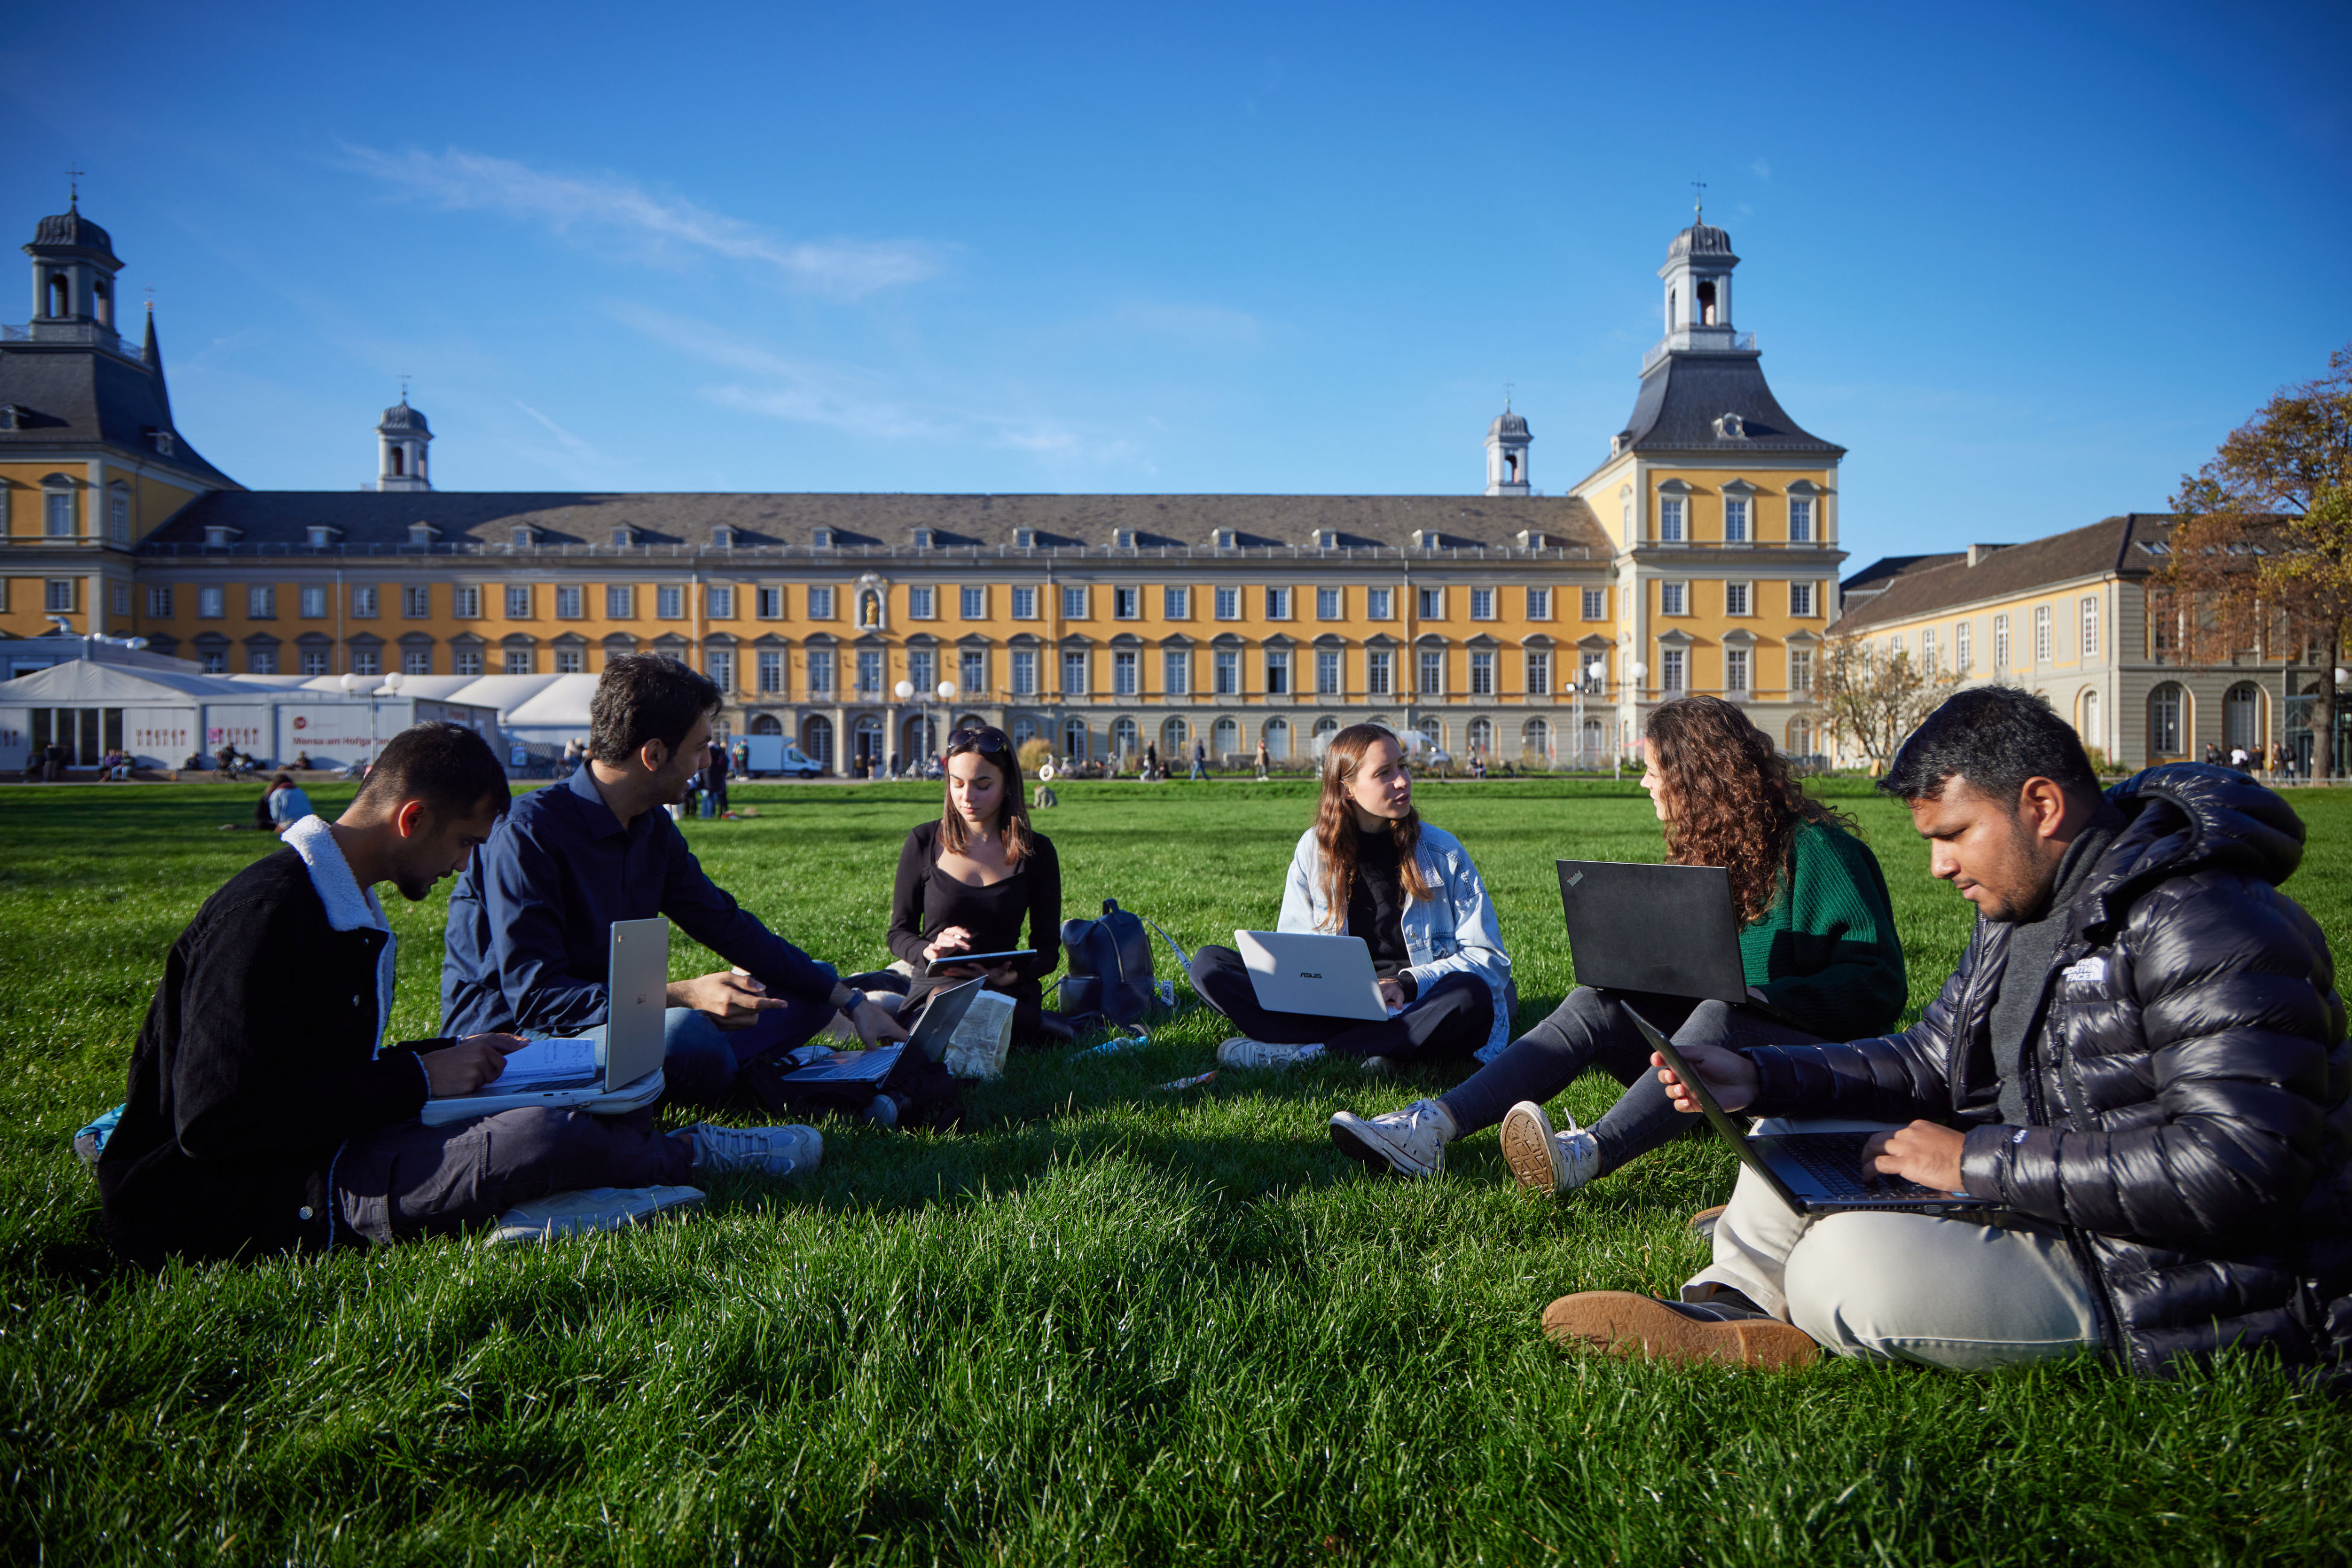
{"x": 2261, "y": 553}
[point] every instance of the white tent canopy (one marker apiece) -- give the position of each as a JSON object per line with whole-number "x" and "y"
{"x": 164, "y": 716}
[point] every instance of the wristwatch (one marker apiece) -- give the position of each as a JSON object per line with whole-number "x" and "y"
{"x": 845, "y": 996}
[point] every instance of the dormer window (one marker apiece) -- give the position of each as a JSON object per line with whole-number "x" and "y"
{"x": 1531, "y": 539}
{"x": 1426, "y": 539}
{"x": 923, "y": 539}
{"x": 320, "y": 536}
{"x": 161, "y": 441}
{"x": 1122, "y": 538}
{"x": 13, "y": 416}
{"x": 1222, "y": 538}
{"x": 820, "y": 539}
{"x": 525, "y": 536}
{"x": 1327, "y": 539}
{"x": 1730, "y": 427}
{"x": 722, "y": 538}
{"x": 422, "y": 534}
{"x": 220, "y": 533}
{"x": 1024, "y": 539}
{"x": 624, "y": 537}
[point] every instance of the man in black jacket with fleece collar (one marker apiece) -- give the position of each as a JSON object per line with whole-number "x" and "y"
{"x": 266, "y": 1113}
{"x": 2141, "y": 1058}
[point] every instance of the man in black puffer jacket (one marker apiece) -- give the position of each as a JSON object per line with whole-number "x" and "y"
{"x": 2141, "y": 1058}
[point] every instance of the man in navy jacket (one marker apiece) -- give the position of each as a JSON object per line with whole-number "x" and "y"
{"x": 527, "y": 945}
{"x": 267, "y": 1112}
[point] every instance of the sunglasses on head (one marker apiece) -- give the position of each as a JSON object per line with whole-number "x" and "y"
{"x": 986, "y": 740}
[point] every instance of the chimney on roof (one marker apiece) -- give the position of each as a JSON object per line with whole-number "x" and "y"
{"x": 1978, "y": 552}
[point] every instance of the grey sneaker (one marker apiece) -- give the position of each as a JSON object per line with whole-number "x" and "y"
{"x": 588, "y": 1210}
{"x": 1544, "y": 1161}
{"x": 767, "y": 1149}
{"x": 1243, "y": 1052}
{"x": 1408, "y": 1142}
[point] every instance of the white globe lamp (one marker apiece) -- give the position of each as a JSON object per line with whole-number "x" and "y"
{"x": 947, "y": 690}
{"x": 350, "y": 682}
{"x": 904, "y": 689}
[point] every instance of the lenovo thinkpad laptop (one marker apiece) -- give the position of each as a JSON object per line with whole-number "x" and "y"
{"x": 1814, "y": 1172}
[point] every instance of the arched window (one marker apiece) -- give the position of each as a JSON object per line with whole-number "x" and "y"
{"x": 105, "y": 302}
{"x": 1481, "y": 737}
{"x": 1706, "y": 304}
{"x": 1278, "y": 738}
{"x": 1593, "y": 743}
{"x": 1171, "y": 738}
{"x": 60, "y": 295}
{"x": 2092, "y": 725}
{"x": 1433, "y": 729}
{"x": 1227, "y": 738}
{"x": 769, "y": 724}
{"x": 1800, "y": 738}
{"x": 1535, "y": 739}
{"x": 816, "y": 741}
{"x": 1073, "y": 739}
{"x": 1125, "y": 738}
{"x": 1024, "y": 731}
{"x": 2164, "y": 732}
{"x": 918, "y": 738}
{"x": 2242, "y": 717}
{"x": 398, "y": 460}
{"x": 1325, "y": 727}
{"x": 865, "y": 742}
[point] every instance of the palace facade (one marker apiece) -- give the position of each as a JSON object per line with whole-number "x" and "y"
{"x": 1699, "y": 554}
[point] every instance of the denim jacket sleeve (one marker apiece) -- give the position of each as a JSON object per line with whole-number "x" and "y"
{"x": 1300, "y": 901}
{"x": 1477, "y": 937}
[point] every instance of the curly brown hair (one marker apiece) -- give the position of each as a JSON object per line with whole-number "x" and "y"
{"x": 1735, "y": 803}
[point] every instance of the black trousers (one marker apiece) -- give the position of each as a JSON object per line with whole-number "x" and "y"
{"x": 410, "y": 1180}
{"x": 1450, "y": 1017}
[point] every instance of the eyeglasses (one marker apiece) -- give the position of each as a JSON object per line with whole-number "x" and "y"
{"x": 982, "y": 739}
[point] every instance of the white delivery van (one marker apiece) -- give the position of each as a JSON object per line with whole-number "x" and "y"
{"x": 768, "y": 756}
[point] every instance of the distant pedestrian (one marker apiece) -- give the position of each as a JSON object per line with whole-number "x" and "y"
{"x": 1200, "y": 760}
{"x": 288, "y": 803}
{"x": 1150, "y": 764}
{"x": 1264, "y": 760}
{"x": 715, "y": 770}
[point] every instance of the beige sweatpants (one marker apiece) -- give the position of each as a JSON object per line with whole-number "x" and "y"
{"x": 1900, "y": 1286}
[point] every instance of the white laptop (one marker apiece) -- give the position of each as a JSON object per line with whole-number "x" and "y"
{"x": 624, "y": 1074}
{"x": 1309, "y": 972}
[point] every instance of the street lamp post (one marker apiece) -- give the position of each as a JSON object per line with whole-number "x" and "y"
{"x": 904, "y": 690}
{"x": 947, "y": 695}
{"x": 1639, "y": 672}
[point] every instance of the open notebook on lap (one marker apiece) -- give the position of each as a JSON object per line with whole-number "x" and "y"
{"x": 571, "y": 1071}
{"x": 1670, "y": 930}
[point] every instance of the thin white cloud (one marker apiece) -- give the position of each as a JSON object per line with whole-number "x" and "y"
{"x": 572, "y": 444}
{"x": 1760, "y": 169}
{"x": 470, "y": 181}
{"x": 856, "y": 401}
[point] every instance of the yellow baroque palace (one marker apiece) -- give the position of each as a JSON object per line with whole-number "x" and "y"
{"x": 1700, "y": 555}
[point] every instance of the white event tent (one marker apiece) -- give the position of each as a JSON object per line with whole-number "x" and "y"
{"x": 163, "y": 717}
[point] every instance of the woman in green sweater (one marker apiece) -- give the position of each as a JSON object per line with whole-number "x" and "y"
{"x": 1817, "y": 941}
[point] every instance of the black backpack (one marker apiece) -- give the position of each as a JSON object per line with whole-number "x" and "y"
{"x": 1110, "y": 966}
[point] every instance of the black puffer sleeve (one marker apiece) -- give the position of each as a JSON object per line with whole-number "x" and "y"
{"x": 1890, "y": 1077}
{"x": 2218, "y": 1014}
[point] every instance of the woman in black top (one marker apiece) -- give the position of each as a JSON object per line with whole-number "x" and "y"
{"x": 966, "y": 882}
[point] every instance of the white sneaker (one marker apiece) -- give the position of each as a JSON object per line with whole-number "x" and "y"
{"x": 771, "y": 1151}
{"x": 588, "y": 1210}
{"x": 1408, "y": 1142}
{"x": 1543, "y": 1161}
{"x": 1243, "y": 1052}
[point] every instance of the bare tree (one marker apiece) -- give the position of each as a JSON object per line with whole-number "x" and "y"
{"x": 1869, "y": 698}
{"x": 2261, "y": 554}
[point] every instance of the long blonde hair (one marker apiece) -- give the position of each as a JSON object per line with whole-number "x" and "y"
{"x": 1335, "y": 830}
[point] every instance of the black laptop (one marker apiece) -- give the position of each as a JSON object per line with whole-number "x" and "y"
{"x": 1670, "y": 930}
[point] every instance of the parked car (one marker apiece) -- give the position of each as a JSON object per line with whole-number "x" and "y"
{"x": 773, "y": 756}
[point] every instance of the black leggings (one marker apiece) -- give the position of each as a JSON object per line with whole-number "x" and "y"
{"x": 1592, "y": 1028}
{"x": 1451, "y": 1017}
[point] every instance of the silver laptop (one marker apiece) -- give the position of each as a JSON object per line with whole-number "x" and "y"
{"x": 1814, "y": 1172}
{"x": 579, "y": 1068}
{"x": 1312, "y": 972}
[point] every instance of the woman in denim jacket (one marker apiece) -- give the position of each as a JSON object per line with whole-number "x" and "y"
{"x": 1371, "y": 867}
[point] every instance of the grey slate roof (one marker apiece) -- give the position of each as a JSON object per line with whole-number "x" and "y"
{"x": 2108, "y": 545}
{"x": 72, "y": 230}
{"x": 69, "y": 393}
{"x": 1685, "y": 393}
{"x": 1875, "y": 577}
{"x": 869, "y": 522}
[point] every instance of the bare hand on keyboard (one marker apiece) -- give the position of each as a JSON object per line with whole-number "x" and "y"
{"x": 1924, "y": 1153}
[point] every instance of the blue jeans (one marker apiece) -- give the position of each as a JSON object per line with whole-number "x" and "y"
{"x": 700, "y": 1059}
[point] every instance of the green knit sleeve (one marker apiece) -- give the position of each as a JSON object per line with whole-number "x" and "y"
{"x": 1833, "y": 963}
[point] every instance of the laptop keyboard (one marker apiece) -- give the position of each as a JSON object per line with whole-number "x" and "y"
{"x": 1834, "y": 1159}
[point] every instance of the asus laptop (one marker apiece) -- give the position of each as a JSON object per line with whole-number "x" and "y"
{"x": 1308, "y": 972}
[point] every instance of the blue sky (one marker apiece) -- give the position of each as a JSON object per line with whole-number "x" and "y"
{"x": 2028, "y": 263}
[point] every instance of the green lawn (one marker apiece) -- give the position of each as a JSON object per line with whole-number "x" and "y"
{"x": 1107, "y": 1325}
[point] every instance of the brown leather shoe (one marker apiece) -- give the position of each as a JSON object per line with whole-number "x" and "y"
{"x": 1701, "y": 1224}
{"x": 1618, "y": 1322}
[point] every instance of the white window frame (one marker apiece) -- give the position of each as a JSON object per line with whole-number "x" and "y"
{"x": 1080, "y": 662}
{"x": 1024, "y": 602}
{"x": 1801, "y": 520}
{"x": 1674, "y": 598}
{"x": 1427, "y": 660}
{"x": 1175, "y": 603}
{"x": 819, "y": 602}
{"x": 1800, "y": 671}
{"x": 1126, "y": 602}
{"x": 620, "y": 602}
{"x": 1963, "y": 645}
{"x": 1738, "y": 598}
{"x": 1226, "y": 671}
{"x": 1379, "y": 604}
{"x": 1738, "y": 514}
{"x": 1739, "y": 670}
{"x": 718, "y": 601}
{"x": 2090, "y": 619}
{"x": 363, "y": 603}
{"x": 1126, "y": 671}
{"x": 669, "y": 601}
{"x": 1482, "y": 603}
{"x": 2001, "y": 649}
{"x": 1277, "y": 672}
{"x": 1226, "y": 604}
{"x": 312, "y": 600}
{"x": 1482, "y": 672}
{"x": 971, "y": 601}
{"x": 1800, "y": 600}
{"x": 1077, "y": 602}
{"x": 1429, "y": 603}
{"x": 2044, "y": 634}
{"x": 1673, "y": 669}
{"x": 1671, "y": 519}
{"x": 972, "y": 670}
{"x": 922, "y": 602}
{"x": 1330, "y": 672}
{"x": 1176, "y": 671}
{"x": 1538, "y": 603}
{"x": 1593, "y": 603}
{"x": 1331, "y": 603}
{"x": 1380, "y": 672}
{"x": 159, "y": 600}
